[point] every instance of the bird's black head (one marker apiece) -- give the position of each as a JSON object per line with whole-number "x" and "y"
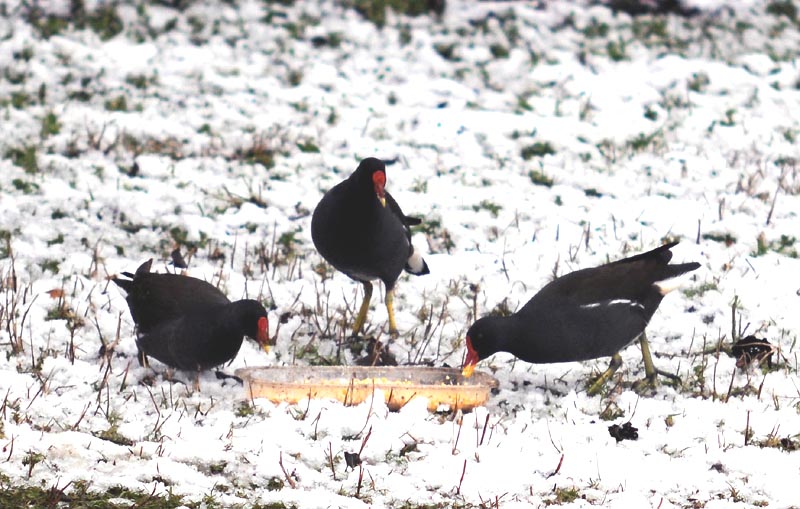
{"x": 255, "y": 323}
{"x": 481, "y": 342}
{"x": 371, "y": 173}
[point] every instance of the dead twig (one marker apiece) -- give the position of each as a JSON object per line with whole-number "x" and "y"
{"x": 485, "y": 427}
{"x": 364, "y": 441}
{"x": 330, "y": 460}
{"x": 460, "y": 481}
{"x": 288, "y": 477}
{"x": 558, "y": 467}
{"x": 458, "y": 435}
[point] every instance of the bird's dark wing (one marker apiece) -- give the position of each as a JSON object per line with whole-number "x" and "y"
{"x": 155, "y": 298}
{"x": 630, "y": 278}
{"x": 156, "y": 342}
{"x": 159, "y": 297}
{"x": 593, "y": 312}
{"x": 587, "y": 314}
{"x": 661, "y": 255}
{"x": 194, "y": 341}
{"x": 407, "y": 221}
{"x": 613, "y": 282}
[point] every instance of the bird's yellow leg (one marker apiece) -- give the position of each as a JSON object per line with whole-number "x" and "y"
{"x": 649, "y": 368}
{"x": 362, "y": 311}
{"x": 390, "y": 309}
{"x": 651, "y": 372}
{"x": 597, "y": 386}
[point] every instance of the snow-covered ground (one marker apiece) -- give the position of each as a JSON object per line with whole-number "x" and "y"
{"x": 535, "y": 139}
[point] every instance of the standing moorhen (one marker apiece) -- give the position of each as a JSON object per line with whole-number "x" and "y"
{"x": 585, "y": 314}
{"x": 187, "y": 323}
{"x": 360, "y": 230}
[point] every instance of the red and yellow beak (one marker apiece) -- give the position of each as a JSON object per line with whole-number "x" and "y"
{"x": 262, "y": 335}
{"x": 379, "y": 181}
{"x": 470, "y": 361}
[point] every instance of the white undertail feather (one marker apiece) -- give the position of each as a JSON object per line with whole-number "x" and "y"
{"x": 416, "y": 264}
{"x": 667, "y": 285}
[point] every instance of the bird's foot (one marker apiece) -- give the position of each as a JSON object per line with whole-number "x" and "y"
{"x": 169, "y": 376}
{"x": 650, "y": 382}
{"x": 599, "y": 384}
{"x": 149, "y": 379}
{"x": 596, "y": 387}
{"x": 377, "y": 354}
{"x": 224, "y": 376}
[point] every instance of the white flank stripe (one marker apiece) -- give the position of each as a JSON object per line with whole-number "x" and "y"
{"x": 612, "y": 303}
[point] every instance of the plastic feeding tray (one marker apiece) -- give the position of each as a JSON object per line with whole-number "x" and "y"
{"x": 354, "y": 384}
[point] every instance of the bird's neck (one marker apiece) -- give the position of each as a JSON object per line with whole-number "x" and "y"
{"x": 506, "y": 329}
{"x": 364, "y": 215}
{"x": 362, "y": 194}
{"x": 236, "y": 317}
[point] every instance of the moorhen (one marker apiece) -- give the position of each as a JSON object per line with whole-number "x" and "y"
{"x": 360, "y": 229}
{"x": 582, "y": 315}
{"x": 187, "y": 323}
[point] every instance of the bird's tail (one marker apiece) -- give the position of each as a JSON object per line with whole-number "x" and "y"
{"x": 666, "y": 283}
{"x": 416, "y": 264}
{"x": 125, "y": 284}
{"x": 678, "y": 269}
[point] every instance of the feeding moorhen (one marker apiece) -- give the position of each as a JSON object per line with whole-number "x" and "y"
{"x": 187, "y": 323}
{"x": 582, "y": 315}
{"x": 360, "y": 229}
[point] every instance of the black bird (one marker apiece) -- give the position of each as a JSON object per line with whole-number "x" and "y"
{"x": 187, "y": 323}
{"x": 582, "y": 315}
{"x": 360, "y": 229}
